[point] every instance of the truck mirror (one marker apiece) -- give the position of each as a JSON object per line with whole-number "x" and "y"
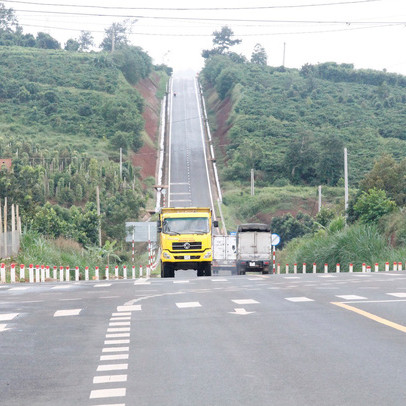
{"x": 158, "y": 225}
{"x": 215, "y": 223}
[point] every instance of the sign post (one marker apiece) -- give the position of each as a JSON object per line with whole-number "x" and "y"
{"x": 275, "y": 240}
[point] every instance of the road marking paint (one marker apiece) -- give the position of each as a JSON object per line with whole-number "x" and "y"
{"x": 350, "y": 297}
{"x": 109, "y": 297}
{"x": 118, "y": 329}
{"x": 371, "y": 316}
{"x": 63, "y": 287}
{"x": 142, "y": 282}
{"x": 254, "y": 279}
{"x": 299, "y": 299}
{"x": 184, "y": 305}
{"x": 181, "y": 281}
{"x": 129, "y": 308}
{"x": 8, "y": 316}
{"x": 244, "y": 301}
{"x": 120, "y": 318}
{"x": 111, "y": 367}
{"x": 397, "y": 294}
{"x": 116, "y": 349}
{"x": 113, "y": 357}
{"x": 110, "y": 378}
{"x": 120, "y": 323}
{"x": 363, "y": 276}
{"x": 326, "y": 276}
{"x": 3, "y": 327}
{"x": 240, "y": 311}
{"x": 107, "y": 393}
{"x": 115, "y": 404}
{"x": 101, "y": 285}
{"x": 25, "y": 288}
{"x": 219, "y": 280}
{"x": 107, "y": 342}
{"x": 120, "y": 335}
{"x": 69, "y": 312}
{"x": 291, "y": 277}
{"x": 68, "y": 300}
{"x": 121, "y": 314}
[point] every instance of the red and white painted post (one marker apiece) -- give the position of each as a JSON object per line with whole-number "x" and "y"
{"x": 314, "y": 267}
{"x": 37, "y": 276}
{"x": 96, "y": 273}
{"x": 278, "y": 269}
{"x": 47, "y": 272}
{"x": 338, "y": 268}
{"x": 42, "y": 273}
{"x": 140, "y": 271}
{"x": 124, "y": 271}
{"x": 107, "y": 273}
{"x": 13, "y": 273}
{"x": 351, "y": 268}
{"x": 133, "y": 271}
{"x": 116, "y": 271}
{"x": 395, "y": 266}
{"x": 364, "y": 267}
{"x": 76, "y": 273}
{"x": 273, "y": 258}
{"x": 376, "y": 267}
{"x": 67, "y": 274}
{"x": 86, "y": 273}
{"x": 22, "y": 272}
{"x": 3, "y": 273}
{"x": 55, "y": 272}
{"x": 399, "y": 266}
{"x": 368, "y": 268}
{"x": 325, "y": 268}
{"x": 386, "y": 266}
{"x": 31, "y": 273}
{"x": 287, "y": 269}
{"x": 61, "y": 273}
{"x": 294, "y": 268}
{"x": 304, "y": 267}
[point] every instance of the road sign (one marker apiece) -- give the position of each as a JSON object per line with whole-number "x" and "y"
{"x": 275, "y": 239}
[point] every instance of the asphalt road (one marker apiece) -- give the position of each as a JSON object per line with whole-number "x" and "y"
{"x": 188, "y": 183}
{"x": 225, "y": 340}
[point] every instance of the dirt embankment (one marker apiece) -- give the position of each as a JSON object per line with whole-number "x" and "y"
{"x": 147, "y": 156}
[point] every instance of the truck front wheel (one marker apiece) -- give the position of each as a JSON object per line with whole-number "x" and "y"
{"x": 167, "y": 270}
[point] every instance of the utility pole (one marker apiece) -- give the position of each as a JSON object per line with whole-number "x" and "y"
{"x": 113, "y": 29}
{"x": 252, "y": 182}
{"x": 284, "y": 51}
{"x": 345, "y": 182}
{"x": 319, "y": 199}
{"x": 98, "y": 213}
{"x": 121, "y": 163}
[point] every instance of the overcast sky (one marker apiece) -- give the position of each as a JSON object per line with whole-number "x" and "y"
{"x": 367, "y": 33}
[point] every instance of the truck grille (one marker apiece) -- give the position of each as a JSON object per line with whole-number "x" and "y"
{"x": 186, "y": 246}
{"x": 191, "y": 257}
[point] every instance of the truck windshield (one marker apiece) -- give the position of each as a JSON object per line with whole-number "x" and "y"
{"x": 192, "y": 225}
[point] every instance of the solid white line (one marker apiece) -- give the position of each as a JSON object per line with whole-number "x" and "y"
{"x": 185, "y": 305}
{"x": 108, "y": 342}
{"x": 8, "y": 316}
{"x": 113, "y": 357}
{"x": 118, "y": 329}
{"x": 107, "y": 393}
{"x": 120, "y": 335}
{"x": 112, "y": 367}
{"x": 244, "y": 301}
{"x": 133, "y": 308}
{"x": 69, "y": 312}
{"x": 110, "y": 378}
{"x": 116, "y": 349}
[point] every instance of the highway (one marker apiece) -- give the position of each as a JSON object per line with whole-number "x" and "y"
{"x": 242, "y": 340}
{"x": 188, "y": 176}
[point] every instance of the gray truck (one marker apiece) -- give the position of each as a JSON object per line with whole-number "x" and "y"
{"x": 253, "y": 248}
{"x": 224, "y": 253}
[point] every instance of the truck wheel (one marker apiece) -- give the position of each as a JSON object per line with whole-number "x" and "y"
{"x": 200, "y": 270}
{"x": 207, "y": 269}
{"x": 167, "y": 271}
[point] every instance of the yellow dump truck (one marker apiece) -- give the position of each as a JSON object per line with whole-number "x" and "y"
{"x": 186, "y": 240}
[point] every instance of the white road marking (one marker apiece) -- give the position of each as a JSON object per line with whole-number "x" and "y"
{"x": 8, "y": 316}
{"x": 107, "y": 393}
{"x": 299, "y": 299}
{"x": 350, "y": 297}
{"x": 25, "y": 288}
{"x": 113, "y": 357}
{"x": 110, "y": 378}
{"x": 181, "y": 281}
{"x": 116, "y": 349}
{"x": 142, "y": 282}
{"x": 115, "y": 404}
{"x": 121, "y": 314}
{"x": 129, "y": 308}
{"x": 120, "y": 323}
{"x": 291, "y": 277}
{"x": 244, "y": 301}
{"x": 111, "y": 367}
{"x": 254, "y": 279}
{"x": 120, "y": 318}
{"x": 62, "y": 287}
{"x": 184, "y": 305}
{"x": 118, "y": 329}
{"x": 398, "y": 294}
{"x": 240, "y": 311}
{"x": 101, "y": 285}
{"x": 108, "y": 342}
{"x": 326, "y": 276}
{"x": 69, "y": 312}
{"x": 119, "y": 335}
{"x": 3, "y": 327}
{"x": 219, "y": 280}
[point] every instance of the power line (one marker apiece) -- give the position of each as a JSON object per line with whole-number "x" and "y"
{"x": 197, "y": 8}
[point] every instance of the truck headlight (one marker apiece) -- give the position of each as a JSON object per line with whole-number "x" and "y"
{"x": 166, "y": 255}
{"x": 207, "y": 255}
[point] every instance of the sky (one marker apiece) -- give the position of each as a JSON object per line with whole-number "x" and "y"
{"x": 367, "y": 33}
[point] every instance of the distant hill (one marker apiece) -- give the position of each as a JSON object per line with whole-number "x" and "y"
{"x": 291, "y": 125}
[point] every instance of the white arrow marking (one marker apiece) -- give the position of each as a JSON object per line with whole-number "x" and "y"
{"x": 241, "y": 311}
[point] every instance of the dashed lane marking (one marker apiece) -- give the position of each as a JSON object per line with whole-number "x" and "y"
{"x": 118, "y": 335}
{"x": 63, "y": 287}
{"x": 181, "y": 281}
{"x": 129, "y": 308}
{"x": 219, "y": 280}
{"x": 22, "y": 288}
{"x": 397, "y": 294}
{"x": 114, "y": 357}
{"x": 244, "y": 301}
{"x": 326, "y": 276}
{"x": 110, "y": 378}
{"x": 184, "y": 305}
{"x": 291, "y": 277}
{"x": 120, "y": 323}
{"x": 113, "y": 342}
{"x": 116, "y": 349}
{"x": 101, "y": 285}
{"x": 8, "y": 316}
{"x": 118, "y": 329}
{"x": 121, "y": 314}
{"x": 69, "y": 312}
{"x": 350, "y": 297}
{"x": 120, "y": 318}
{"x": 299, "y": 299}
{"x": 112, "y": 367}
{"x": 107, "y": 393}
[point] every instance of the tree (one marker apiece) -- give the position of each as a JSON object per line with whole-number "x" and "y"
{"x": 372, "y": 205}
{"x": 72, "y": 45}
{"x": 222, "y": 42}
{"x": 85, "y": 40}
{"x": 117, "y": 35}
{"x": 8, "y": 20}
{"x": 45, "y": 41}
{"x": 259, "y": 55}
